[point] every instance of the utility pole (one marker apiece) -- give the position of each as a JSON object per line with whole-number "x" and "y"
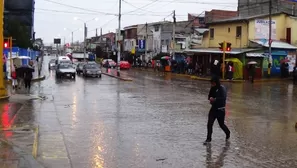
{"x": 71, "y": 38}
{"x": 3, "y": 91}
{"x": 101, "y": 37}
{"x": 96, "y": 32}
{"x": 145, "y": 40}
{"x": 173, "y": 35}
{"x": 270, "y": 34}
{"x": 85, "y": 41}
{"x": 224, "y": 58}
{"x": 119, "y": 38}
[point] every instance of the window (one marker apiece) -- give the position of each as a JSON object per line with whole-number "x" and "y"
{"x": 167, "y": 42}
{"x": 211, "y": 32}
{"x": 238, "y": 31}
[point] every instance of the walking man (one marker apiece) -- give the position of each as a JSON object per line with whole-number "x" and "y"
{"x": 28, "y": 76}
{"x": 217, "y": 98}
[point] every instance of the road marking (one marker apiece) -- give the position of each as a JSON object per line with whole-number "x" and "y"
{"x": 35, "y": 143}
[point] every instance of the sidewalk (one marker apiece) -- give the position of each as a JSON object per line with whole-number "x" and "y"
{"x": 113, "y": 73}
{"x": 17, "y": 137}
{"x": 193, "y": 77}
{"x": 12, "y": 156}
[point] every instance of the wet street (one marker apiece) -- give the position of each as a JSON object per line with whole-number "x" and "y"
{"x": 154, "y": 121}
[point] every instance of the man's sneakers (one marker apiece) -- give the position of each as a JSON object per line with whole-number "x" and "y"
{"x": 227, "y": 137}
{"x": 207, "y": 142}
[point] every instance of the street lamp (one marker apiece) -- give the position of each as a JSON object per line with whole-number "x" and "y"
{"x": 72, "y": 31}
{"x": 85, "y": 33}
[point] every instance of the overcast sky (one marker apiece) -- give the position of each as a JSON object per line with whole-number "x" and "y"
{"x": 53, "y": 16}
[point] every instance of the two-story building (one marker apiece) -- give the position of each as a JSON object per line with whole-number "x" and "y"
{"x": 130, "y": 39}
{"x": 249, "y": 38}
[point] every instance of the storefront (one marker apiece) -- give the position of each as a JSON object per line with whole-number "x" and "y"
{"x": 207, "y": 56}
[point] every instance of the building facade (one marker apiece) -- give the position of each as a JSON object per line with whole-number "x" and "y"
{"x": 21, "y": 11}
{"x": 247, "y": 8}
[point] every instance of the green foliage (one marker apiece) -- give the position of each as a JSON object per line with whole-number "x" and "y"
{"x": 20, "y": 33}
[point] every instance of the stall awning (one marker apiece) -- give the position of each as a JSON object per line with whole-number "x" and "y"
{"x": 218, "y": 51}
{"x": 260, "y": 55}
{"x": 275, "y": 44}
{"x": 201, "y": 30}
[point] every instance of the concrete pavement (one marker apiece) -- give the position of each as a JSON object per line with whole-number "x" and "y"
{"x": 158, "y": 120}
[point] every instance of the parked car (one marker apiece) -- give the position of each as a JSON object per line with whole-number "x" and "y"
{"x": 65, "y": 70}
{"x": 52, "y": 64}
{"x": 112, "y": 64}
{"x": 125, "y": 65}
{"x": 91, "y": 69}
{"x": 79, "y": 67}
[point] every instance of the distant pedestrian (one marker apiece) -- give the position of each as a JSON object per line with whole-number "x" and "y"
{"x": 217, "y": 98}
{"x": 295, "y": 75}
{"x": 28, "y": 75}
{"x": 14, "y": 77}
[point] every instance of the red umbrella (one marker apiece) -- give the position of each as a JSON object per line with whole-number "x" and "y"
{"x": 284, "y": 61}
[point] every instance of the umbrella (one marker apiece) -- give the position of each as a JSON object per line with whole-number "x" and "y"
{"x": 284, "y": 60}
{"x": 165, "y": 57}
{"x": 252, "y": 63}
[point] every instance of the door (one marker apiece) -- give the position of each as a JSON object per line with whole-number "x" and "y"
{"x": 288, "y": 39}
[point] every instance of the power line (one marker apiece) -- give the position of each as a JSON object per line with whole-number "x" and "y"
{"x": 154, "y": 1}
{"x": 105, "y": 24}
{"x": 75, "y": 7}
{"x": 141, "y": 8}
{"x": 90, "y": 13}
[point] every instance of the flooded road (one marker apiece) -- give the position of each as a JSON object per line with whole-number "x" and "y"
{"x": 160, "y": 120}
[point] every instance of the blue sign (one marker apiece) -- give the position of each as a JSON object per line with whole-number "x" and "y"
{"x": 141, "y": 44}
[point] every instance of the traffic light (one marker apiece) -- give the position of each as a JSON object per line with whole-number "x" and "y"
{"x": 228, "y": 47}
{"x": 6, "y": 44}
{"x": 221, "y": 46}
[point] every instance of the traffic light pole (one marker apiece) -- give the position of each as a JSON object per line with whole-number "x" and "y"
{"x": 224, "y": 58}
{"x": 3, "y": 91}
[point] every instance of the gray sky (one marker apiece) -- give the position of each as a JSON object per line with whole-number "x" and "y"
{"x": 52, "y": 16}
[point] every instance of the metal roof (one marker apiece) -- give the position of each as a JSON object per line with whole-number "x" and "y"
{"x": 274, "y": 44}
{"x": 218, "y": 51}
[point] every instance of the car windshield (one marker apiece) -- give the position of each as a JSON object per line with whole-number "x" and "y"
{"x": 64, "y": 66}
{"x": 92, "y": 66}
{"x": 52, "y": 61}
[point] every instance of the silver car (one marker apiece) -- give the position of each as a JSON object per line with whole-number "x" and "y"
{"x": 65, "y": 70}
{"x": 91, "y": 69}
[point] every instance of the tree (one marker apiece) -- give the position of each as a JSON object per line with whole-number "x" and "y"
{"x": 19, "y": 32}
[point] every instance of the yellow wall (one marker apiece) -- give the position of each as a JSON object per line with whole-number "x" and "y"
{"x": 221, "y": 34}
{"x": 280, "y": 26}
{"x": 292, "y": 23}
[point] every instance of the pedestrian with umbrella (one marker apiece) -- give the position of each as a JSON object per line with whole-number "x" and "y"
{"x": 251, "y": 70}
{"x": 28, "y": 75}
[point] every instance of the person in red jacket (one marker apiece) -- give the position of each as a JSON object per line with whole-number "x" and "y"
{"x": 14, "y": 77}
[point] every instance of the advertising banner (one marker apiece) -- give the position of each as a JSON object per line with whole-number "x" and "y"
{"x": 262, "y": 29}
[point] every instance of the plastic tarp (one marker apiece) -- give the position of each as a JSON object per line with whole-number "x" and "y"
{"x": 238, "y": 65}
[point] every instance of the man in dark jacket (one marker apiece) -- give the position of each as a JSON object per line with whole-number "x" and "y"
{"x": 28, "y": 75}
{"x": 217, "y": 97}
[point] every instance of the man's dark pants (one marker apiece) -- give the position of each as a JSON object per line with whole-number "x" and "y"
{"x": 28, "y": 83}
{"x": 220, "y": 116}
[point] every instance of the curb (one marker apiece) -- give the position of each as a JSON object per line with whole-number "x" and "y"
{"x": 120, "y": 78}
{"x": 33, "y": 80}
{"x": 208, "y": 79}
{"x": 38, "y": 79}
{"x": 35, "y": 143}
{"x": 4, "y": 98}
